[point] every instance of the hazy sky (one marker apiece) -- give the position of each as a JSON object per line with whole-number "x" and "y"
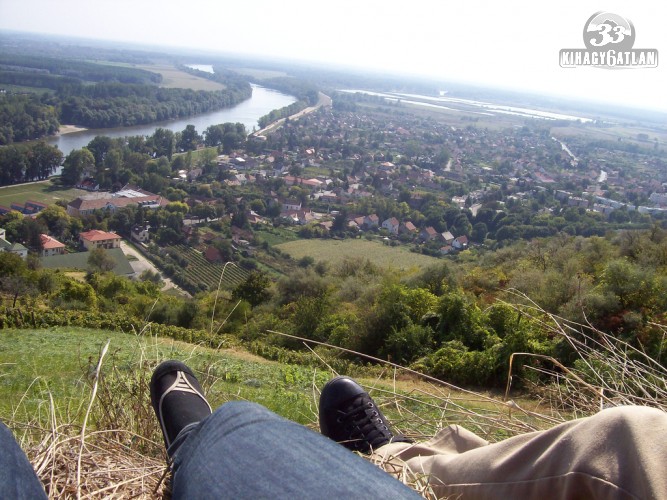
{"x": 507, "y": 43}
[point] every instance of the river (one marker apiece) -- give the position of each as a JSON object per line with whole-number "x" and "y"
{"x": 478, "y": 107}
{"x": 263, "y": 101}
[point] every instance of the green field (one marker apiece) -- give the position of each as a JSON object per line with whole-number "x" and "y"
{"x": 56, "y": 361}
{"x": 43, "y": 191}
{"x": 79, "y": 260}
{"x": 37, "y": 365}
{"x": 34, "y": 363}
{"x": 335, "y": 251}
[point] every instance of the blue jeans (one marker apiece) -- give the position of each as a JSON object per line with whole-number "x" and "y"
{"x": 17, "y": 477}
{"x": 244, "y": 450}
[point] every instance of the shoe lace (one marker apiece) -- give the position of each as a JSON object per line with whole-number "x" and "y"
{"x": 364, "y": 424}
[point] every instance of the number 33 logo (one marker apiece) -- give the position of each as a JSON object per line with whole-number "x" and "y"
{"x": 608, "y": 34}
{"x": 608, "y": 29}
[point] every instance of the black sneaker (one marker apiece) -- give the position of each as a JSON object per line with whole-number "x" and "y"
{"x": 349, "y": 416}
{"x": 177, "y": 399}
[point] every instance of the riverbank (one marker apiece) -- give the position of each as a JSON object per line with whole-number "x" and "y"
{"x": 324, "y": 100}
{"x": 70, "y": 129}
{"x": 263, "y": 100}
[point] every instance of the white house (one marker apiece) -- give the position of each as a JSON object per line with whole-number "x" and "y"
{"x": 140, "y": 234}
{"x": 391, "y": 225}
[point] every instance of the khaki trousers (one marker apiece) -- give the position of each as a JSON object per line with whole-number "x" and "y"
{"x": 617, "y": 453}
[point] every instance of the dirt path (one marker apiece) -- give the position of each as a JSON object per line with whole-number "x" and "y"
{"x": 323, "y": 100}
{"x": 140, "y": 264}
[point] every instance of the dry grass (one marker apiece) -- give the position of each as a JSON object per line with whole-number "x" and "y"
{"x": 123, "y": 456}
{"x": 609, "y": 371}
{"x": 104, "y": 468}
{"x": 173, "y": 78}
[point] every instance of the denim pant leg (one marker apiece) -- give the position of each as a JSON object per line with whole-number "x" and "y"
{"x": 244, "y": 450}
{"x": 17, "y": 477}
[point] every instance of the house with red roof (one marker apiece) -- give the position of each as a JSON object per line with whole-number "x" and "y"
{"x": 391, "y": 225}
{"x": 99, "y": 239}
{"x": 428, "y": 234}
{"x": 407, "y": 228}
{"x": 51, "y": 246}
{"x": 460, "y": 243}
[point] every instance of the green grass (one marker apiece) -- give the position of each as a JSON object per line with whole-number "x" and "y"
{"x": 335, "y": 251}
{"x": 40, "y": 366}
{"x": 275, "y": 235}
{"x": 36, "y": 363}
{"x": 79, "y": 260}
{"x": 43, "y": 191}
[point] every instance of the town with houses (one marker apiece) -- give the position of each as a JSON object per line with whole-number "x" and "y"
{"x": 349, "y": 171}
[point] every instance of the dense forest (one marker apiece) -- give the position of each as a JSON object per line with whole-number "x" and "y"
{"x": 25, "y": 117}
{"x": 98, "y": 96}
{"x": 28, "y": 162}
{"x": 115, "y": 105}
{"x": 80, "y": 70}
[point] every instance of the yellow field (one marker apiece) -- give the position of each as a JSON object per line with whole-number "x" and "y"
{"x": 335, "y": 251}
{"x": 175, "y": 79}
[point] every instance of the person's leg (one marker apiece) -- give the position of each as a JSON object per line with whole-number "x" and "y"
{"x": 17, "y": 477}
{"x": 243, "y": 450}
{"x": 617, "y": 453}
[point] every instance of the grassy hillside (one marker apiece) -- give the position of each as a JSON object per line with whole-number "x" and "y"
{"x": 59, "y": 361}
{"x": 47, "y": 378}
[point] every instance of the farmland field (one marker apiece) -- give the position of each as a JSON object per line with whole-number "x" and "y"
{"x": 44, "y": 192}
{"x": 173, "y": 78}
{"x": 335, "y": 251}
{"x": 199, "y": 270}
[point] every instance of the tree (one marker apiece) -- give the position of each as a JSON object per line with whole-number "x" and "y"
{"x": 56, "y": 219}
{"x": 207, "y": 159}
{"x": 77, "y": 163}
{"x": 189, "y": 139}
{"x": 254, "y": 289}
{"x": 14, "y": 277}
{"x": 100, "y": 261}
{"x": 339, "y": 224}
{"x": 234, "y": 136}
{"x": 30, "y": 231}
{"x": 164, "y": 142}
{"x": 100, "y": 146}
{"x": 12, "y": 165}
{"x": 479, "y": 232}
{"x": 240, "y": 219}
{"x": 43, "y": 160}
{"x": 213, "y": 135}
